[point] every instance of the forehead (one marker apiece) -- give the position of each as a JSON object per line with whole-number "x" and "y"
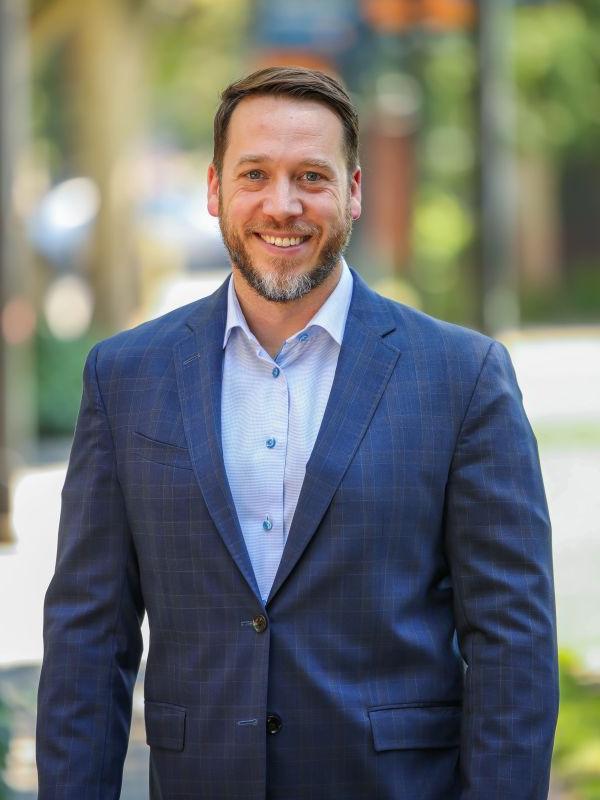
{"x": 284, "y": 127}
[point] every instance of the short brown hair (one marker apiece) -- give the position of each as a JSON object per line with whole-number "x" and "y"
{"x": 298, "y": 82}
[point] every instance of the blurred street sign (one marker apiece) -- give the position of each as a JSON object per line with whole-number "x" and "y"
{"x": 334, "y": 28}
{"x": 395, "y": 16}
{"x": 328, "y": 28}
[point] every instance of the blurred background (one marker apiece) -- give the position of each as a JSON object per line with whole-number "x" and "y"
{"x": 481, "y": 163}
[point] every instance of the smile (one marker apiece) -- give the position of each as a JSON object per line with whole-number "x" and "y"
{"x": 283, "y": 241}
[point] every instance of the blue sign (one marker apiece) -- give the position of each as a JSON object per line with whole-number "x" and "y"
{"x": 320, "y": 26}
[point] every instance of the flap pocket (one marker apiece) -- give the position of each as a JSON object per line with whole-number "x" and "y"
{"x": 170, "y": 455}
{"x": 165, "y": 725}
{"x": 412, "y": 727}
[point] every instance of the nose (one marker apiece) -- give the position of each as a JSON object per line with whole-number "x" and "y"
{"x": 282, "y": 201}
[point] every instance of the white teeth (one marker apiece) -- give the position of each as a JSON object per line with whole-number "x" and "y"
{"x": 287, "y": 241}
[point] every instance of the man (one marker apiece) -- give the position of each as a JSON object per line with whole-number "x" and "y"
{"x": 329, "y": 505}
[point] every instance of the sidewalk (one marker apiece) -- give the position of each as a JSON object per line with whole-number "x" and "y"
{"x": 25, "y": 571}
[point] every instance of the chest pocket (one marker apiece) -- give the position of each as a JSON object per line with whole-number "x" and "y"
{"x": 171, "y": 455}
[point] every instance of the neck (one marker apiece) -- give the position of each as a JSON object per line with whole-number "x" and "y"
{"x": 274, "y": 322}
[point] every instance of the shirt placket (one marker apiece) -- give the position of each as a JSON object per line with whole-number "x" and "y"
{"x": 272, "y": 441}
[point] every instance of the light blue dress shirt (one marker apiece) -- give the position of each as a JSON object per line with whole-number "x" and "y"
{"x": 271, "y": 412}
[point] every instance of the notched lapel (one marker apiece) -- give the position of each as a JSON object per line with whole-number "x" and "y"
{"x": 365, "y": 365}
{"x": 199, "y": 364}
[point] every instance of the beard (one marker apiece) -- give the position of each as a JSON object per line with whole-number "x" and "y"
{"x": 276, "y": 283}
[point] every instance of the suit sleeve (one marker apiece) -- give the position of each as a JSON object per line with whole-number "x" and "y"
{"x": 499, "y": 548}
{"x": 92, "y": 617}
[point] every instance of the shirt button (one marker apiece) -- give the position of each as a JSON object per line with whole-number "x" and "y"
{"x": 275, "y": 372}
{"x": 267, "y": 524}
{"x": 303, "y": 337}
{"x": 274, "y": 724}
{"x": 259, "y": 623}
{"x": 271, "y": 442}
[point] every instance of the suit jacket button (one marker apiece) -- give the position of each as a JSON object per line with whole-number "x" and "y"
{"x": 274, "y": 724}
{"x": 259, "y": 623}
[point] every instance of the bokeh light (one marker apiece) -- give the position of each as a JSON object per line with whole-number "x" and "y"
{"x": 68, "y": 307}
{"x": 18, "y": 320}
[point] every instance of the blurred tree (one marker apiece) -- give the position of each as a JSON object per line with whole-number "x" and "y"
{"x": 113, "y": 80}
{"x": 557, "y": 136}
{"x": 444, "y": 222}
{"x": 99, "y": 82}
{"x": 557, "y": 70}
{"x": 105, "y": 74}
{"x": 195, "y": 48}
{"x": 17, "y": 315}
{"x": 110, "y": 76}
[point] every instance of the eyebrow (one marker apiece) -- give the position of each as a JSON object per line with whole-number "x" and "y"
{"x": 260, "y": 158}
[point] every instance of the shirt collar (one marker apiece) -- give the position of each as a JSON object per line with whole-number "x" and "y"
{"x": 331, "y": 316}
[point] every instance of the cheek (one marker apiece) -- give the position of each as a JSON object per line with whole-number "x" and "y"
{"x": 329, "y": 207}
{"x": 243, "y": 208}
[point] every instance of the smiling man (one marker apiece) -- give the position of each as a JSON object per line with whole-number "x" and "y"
{"x": 303, "y": 222}
{"x": 328, "y": 504}
{"x": 286, "y": 189}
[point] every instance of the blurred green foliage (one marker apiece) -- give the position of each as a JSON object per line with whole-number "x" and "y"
{"x": 59, "y": 370}
{"x": 192, "y": 55}
{"x": 577, "y": 744}
{"x": 577, "y": 297}
{"x": 445, "y": 260}
{"x": 556, "y": 65}
{"x": 192, "y": 50}
{"x": 557, "y": 71}
{"x": 445, "y": 212}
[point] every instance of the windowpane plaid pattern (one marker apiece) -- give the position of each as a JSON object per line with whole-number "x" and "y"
{"x": 407, "y": 647}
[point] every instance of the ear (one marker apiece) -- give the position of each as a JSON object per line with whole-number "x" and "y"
{"x": 356, "y": 193}
{"x": 212, "y": 201}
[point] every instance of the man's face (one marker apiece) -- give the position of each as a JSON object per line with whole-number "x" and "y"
{"x": 285, "y": 201}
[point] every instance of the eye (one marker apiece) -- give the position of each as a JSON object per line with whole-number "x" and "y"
{"x": 312, "y": 177}
{"x": 254, "y": 174}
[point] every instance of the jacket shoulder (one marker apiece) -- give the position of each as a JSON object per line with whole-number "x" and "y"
{"x": 449, "y": 361}
{"x": 426, "y": 330}
{"x": 150, "y": 342}
{"x": 423, "y": 334}
{"x": 412, "y": 330}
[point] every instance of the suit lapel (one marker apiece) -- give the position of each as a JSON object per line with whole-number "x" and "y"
{"x": 199, "y": 365}
{"x": 364, "y": 367}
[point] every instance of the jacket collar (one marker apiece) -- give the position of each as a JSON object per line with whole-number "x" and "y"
{"x": 366, "y": 306}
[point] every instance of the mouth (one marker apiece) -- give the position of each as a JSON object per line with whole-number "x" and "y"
{"x": 286, "y": 242}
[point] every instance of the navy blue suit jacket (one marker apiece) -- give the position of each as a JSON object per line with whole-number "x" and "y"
{"x": 409, "y": 649}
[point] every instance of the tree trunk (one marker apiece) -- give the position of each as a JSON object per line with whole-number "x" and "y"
{"x": 105, "y": 71}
